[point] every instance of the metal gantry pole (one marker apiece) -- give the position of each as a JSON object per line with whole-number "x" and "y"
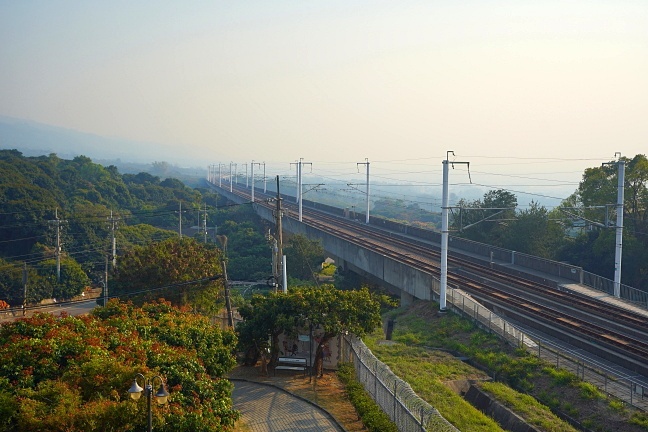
{"x": 265, "y": 183}
{"x": 252, "y": 175}
{"x": 445, "y": 207}
{"x": 299, "y": 187}
{"x": 297, "y": 178}
{"x": 279, "y": 237}
{"x": 444, "y": 238}
{"x": 619, "y": 227}
{"x": 231, "y": 178}
{"x": 618, "y": 250}
{"x": 367, "y": 193}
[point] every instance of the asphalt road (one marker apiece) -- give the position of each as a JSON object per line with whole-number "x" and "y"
{"x": 75, "y": 308}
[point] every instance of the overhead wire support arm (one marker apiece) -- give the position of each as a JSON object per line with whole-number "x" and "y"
{"x": 578, "y": 217}
{"x": 486, "y": 219}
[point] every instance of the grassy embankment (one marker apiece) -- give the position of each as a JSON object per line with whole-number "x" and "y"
{"x": 538, "y": 386}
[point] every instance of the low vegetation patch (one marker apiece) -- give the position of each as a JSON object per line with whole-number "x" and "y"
{"x": 560, "y": 390}
{"x": 373, "y": 417}
{"x": 426, "y": 371}
{"x": 526, "y": 406}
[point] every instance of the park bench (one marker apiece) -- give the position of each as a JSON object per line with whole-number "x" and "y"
{"x": 291, "y": 363}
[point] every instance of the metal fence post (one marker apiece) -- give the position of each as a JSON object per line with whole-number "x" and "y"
{"x": 375, "y": 374}
{"x": 422, "y": 422}
{"x": 395, "y": 399}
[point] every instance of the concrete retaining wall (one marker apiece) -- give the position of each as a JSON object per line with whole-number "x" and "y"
{"x": 502, "y": 415}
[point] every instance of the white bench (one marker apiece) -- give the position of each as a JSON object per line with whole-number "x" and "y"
{"x": 291, "y": 363}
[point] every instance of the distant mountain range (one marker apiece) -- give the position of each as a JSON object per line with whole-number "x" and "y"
{"x": 35, "y": 139}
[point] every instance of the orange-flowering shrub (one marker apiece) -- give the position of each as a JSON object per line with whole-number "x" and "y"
{"x": 72, "y": 373}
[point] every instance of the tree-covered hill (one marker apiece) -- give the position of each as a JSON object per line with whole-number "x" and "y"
{"x": 46, "y": 199}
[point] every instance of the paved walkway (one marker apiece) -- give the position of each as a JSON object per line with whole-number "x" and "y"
{"x": 269, "y": 409}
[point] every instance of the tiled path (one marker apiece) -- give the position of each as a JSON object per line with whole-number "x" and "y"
{"x": 269, "y": 409}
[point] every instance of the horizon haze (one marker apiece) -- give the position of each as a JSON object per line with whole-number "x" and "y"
{"x": 530, "y": 93}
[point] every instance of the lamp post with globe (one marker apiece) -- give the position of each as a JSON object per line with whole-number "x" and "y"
{"x": 161, "y": 397}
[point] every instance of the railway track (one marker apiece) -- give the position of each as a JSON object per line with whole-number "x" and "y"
{"x": 586, "y": 322}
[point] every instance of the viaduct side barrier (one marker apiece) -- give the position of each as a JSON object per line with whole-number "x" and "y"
{"x": 559, "y": 270}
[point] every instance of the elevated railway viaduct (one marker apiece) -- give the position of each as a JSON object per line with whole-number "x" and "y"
{"x": 528, "y": 290}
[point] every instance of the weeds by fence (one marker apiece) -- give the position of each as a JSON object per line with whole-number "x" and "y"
{"x": 395, "y": 396}
{"x": 624, "y": 388}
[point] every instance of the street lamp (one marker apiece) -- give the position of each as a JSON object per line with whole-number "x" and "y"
{"x": 161, "y": 396}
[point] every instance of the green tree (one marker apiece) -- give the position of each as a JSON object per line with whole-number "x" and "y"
{"x": 597, "y": 189}
{"x": 303, "y": 256}
{"x": 533, "y": 233}
{"x": 330, "y": 311}
{"x": 73, "y": 279}
{"x": 174, "y": 262}
{"x": 490, "y": 224}
{"x": 265, "y": 317}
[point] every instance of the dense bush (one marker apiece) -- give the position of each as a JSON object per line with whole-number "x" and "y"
{"x": 72, "y": 373}
{"x": 374, "y": 418}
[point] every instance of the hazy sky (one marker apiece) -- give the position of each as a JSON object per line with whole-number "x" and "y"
{"x": 398, "y": 82}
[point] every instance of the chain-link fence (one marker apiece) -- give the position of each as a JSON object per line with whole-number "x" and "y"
{"x": 392, "y": 394}
{"x": 622, "y": 387}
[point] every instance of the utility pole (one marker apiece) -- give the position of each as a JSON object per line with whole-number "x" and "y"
{"x": 445, "y": 206}
{"x": 24, "y": 281}
{"x": 180, "y": 220}
{"x": 367, "y": 164}
{"x": 235, "y": 174}
{"x": 57, "y": 252}
{"x": 113, "y": 227}
{"x": 220, "y": 175}
{"x": 105, "y": 293}
{"x": 228, "y": 302}
{"x": 205, "y": 223}
{"x": 618, "y": 250}
{"x": 246, "y": 176}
